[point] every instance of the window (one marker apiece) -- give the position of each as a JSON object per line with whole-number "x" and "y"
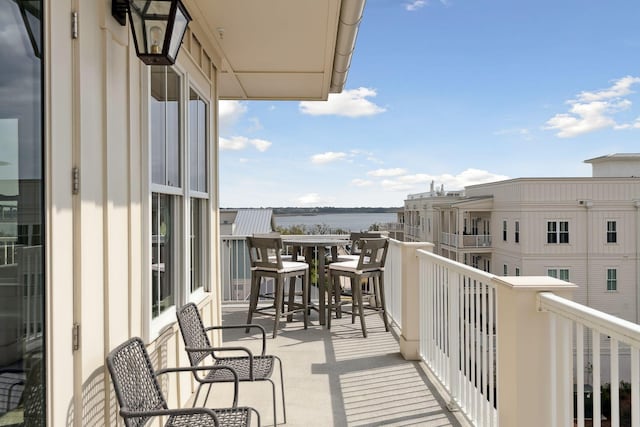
{"x": 559, "y": 273}
{"x": 516, "y": 236}
{"x": 557, "y": 231}
{"x": 504, "y": 230}
{"x": 165, "y": 134}
{"x": 612, "y": 279}
{"x": 517, "y": 271}
{"x": 612, "y": 234}
{"x": 198, "y": 137}
{"x": 505, "y": 270}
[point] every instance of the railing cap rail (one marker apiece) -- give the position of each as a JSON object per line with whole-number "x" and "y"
{"x": 539, "y": 283}
{"x": 620, "y": 329}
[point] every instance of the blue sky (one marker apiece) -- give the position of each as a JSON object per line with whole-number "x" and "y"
{"x": 458, "y": 92}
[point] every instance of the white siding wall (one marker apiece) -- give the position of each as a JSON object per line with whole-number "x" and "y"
{"x": 97, "y": 240}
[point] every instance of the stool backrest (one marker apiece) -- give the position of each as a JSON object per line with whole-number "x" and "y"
{"x": 355, "y": 240}
{"x": 373, "y": 254}
{"x": 264, "y": 252}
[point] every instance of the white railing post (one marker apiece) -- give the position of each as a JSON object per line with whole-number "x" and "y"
{"x": 523, "y": 374}
{"x": 410, "y": 336}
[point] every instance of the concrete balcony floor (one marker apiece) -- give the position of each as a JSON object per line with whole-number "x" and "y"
{"x": 339, "y": 378}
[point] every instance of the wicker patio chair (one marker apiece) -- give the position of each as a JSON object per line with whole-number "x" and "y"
{"x": 370, "y": 265}
{"x": 248, "y": 368}
{"x": 266, "y": 262}
{"x": 140, "y": 397}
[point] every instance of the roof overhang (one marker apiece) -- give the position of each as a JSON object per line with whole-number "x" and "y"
{"x": 279, "y": 49}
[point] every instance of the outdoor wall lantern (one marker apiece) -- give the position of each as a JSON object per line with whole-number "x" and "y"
{"x": 158, "y": 27}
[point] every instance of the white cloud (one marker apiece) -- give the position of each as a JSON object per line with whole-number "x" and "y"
{"x": 314, "y": 199}
{"x": 415, "y": 5}
{"x": 327, "y": 157}
{"x": 349, "y": 103}
{"x": 236, "y": 143}
{"x": 230, "y": 112}
{"x": 361, "y": 182}
{"x": 422, "y": 182}
{"x": 387, "y": 172}
{"x": 591, "y": 111}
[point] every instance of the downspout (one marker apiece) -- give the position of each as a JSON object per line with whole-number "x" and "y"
{"x": 587, "y": 204}
{"x": 351, "y": 12}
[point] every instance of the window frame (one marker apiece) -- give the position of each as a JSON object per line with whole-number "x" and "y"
{"x": 555, "y": 235}
{"x": 504, "y": 230}
{"x": 610, "y": 280}
{"x": 612, "y": 234}
{"x": 516, "y": 231}
{"x": 152, "y": 326}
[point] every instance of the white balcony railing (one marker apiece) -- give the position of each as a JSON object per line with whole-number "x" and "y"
{"x": 392, "y": 280}
{"x": 458, "y": 331}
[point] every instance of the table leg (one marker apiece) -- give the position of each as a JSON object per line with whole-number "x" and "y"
{"x": 321, "y": 286}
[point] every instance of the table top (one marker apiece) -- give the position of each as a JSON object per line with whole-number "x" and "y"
{"x": 315, "y": 241}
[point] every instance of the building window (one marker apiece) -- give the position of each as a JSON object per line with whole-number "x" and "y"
{"x": 166, "y": 149}
{"x": 557, "y": 231}
{"x": 516, "y": 237}
{"x": 612, "y": 234}
{"x": 198, "y": 137}
{"x": 505, "y": 270}
{"x": 559, "y": 273}
{"x": 517, "y": 271}
{"x": 612, "y": 279}
{"x": 504, "y": 230}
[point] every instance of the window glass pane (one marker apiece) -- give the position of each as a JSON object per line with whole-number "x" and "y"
{"x": 197, "y": 142}
{"x": 22, "y": 297}
{"x": 163, "y": 259}
{"x": 173, "y": 128}
{"x": 197, "y": 249}
{"x": 552, "y": 272}
{"x": 564, "y": 274}
{"x": 158, "y": 125}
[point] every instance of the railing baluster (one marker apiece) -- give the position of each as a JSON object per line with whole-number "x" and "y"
{"x": 615, "y": 384}
{"x": 635, "y": 387}
{"x": 580, "y": 372}
{"x": 597, "y": 404}
{"x": 553, "y": 351}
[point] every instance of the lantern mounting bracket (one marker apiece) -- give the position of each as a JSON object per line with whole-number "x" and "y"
{"x": 119, "y": 9}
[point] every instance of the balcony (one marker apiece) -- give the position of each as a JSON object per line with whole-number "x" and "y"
{"x": 469, "y": 241}
{"x": 469, "y": 348}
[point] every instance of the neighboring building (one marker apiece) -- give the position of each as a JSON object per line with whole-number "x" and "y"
{"x": 235, "y": 268}
{"x": 395, "y": 230}
{"x": 109, "y": 215}
{"x": 583, "y": 230}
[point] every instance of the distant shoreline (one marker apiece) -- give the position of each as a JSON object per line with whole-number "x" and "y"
{"x": 330, "y": 210}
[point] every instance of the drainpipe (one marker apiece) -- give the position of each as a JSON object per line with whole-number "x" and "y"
{"x": 350, "y": 16}
{"x": 636, "y": 203}
{"x": 588, "y": 204}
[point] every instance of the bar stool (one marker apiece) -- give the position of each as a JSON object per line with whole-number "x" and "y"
{"x": 370, "y": 265}
{"x": 266, "y": 262}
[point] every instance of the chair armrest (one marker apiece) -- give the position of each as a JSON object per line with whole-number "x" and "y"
{"x": 247, "y": 326}
{"x": 126, "y": 413}
{"x": 236, "y": 381}
{"x": 214, "y": 349}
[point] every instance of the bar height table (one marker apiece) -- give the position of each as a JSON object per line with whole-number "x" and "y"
{"x": 319, "y": 243}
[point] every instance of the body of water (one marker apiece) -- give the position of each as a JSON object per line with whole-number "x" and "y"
{"x": 345, "y": 221}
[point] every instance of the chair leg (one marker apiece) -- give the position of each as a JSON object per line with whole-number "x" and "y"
{"x": 332, "y": 280}
{"x": 383, "y": 304}
{"x": 337, "y": 290}
{"x": 278, "y": 303}
{"x": 253, "y": 297}
{"x": 357, "y": 282}
{"x": 305, "y": 298}
{"x": 292, "y": 296}
{"x": 197, "y": 394}
{"x": 273, "y": 395}
{"x": 284, "y": 406}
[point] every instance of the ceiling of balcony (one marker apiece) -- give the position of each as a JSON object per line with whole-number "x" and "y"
{"x": 276, "y": 49}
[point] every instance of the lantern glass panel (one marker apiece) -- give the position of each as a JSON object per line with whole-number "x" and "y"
{"x": 179, "y": 27}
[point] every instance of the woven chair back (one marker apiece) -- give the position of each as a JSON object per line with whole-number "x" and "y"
{"x": 193, "y": 332}
{"x": 134, "y": 380}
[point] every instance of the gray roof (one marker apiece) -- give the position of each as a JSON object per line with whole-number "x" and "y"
{"x": 253, "y": 221}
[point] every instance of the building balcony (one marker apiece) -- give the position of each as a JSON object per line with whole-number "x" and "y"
{"x": 466, "y": 241}
{"x": 467, "y": 348}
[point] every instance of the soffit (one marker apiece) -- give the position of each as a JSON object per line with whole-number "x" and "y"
{"x": 276, "y": 49}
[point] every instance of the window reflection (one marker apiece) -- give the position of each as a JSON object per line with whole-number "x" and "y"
{"x": 21, "y": 234}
